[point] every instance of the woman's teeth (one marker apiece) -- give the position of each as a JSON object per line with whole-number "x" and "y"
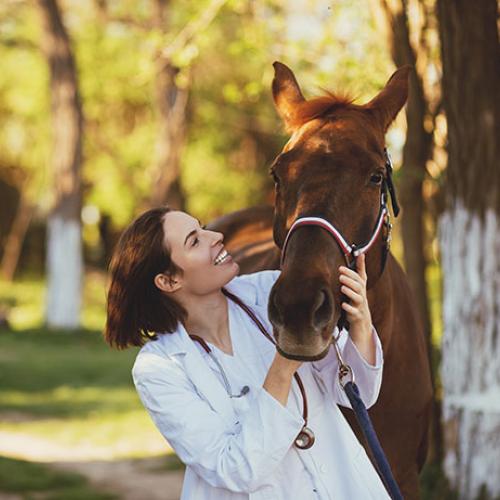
{"x": 221, "y": 257}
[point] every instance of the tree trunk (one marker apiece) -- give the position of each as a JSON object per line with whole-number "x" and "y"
{"x": 15, "y": 238}
{"x": 416, "y": 152}
{"x": 469, "y": 233}
{"x": 171, "y": 102}
{"x": 64, "y": 246}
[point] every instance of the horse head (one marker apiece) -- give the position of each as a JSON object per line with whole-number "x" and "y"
{"x": 334, "y": 167}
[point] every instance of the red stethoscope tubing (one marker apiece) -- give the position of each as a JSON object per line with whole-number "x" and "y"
{"x": 305, "y": 438}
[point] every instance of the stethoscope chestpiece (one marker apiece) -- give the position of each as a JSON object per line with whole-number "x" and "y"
{"x": 305, "y": 438}
{"x": 244, "y": 390}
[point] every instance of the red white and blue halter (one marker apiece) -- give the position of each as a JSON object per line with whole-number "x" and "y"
{"x": 348, "y": 250}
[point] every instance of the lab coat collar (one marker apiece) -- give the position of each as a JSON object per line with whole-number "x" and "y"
{"x": 180, "y": 345}
{"x": 179, "y": 341}
{"x": 206, "y": 383}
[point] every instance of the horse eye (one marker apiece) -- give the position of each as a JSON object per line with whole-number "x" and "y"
{"x": 376, "y": 178}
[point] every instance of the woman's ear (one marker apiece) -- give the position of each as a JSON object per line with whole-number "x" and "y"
{"x": 167, "y": 283}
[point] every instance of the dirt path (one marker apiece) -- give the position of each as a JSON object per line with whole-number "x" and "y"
{"x": 131, "y": 479}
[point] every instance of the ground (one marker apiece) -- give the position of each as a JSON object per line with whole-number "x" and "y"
{"x": 133, "y": 479}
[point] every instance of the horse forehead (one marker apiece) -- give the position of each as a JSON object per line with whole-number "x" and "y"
{"x": 307, "y": 136}
{"x": 320, "y": 135}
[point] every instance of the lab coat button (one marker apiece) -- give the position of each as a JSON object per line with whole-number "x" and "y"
{"x": 322, "y": 468}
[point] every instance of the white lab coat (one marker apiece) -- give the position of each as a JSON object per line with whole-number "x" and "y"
{"x": 242, "y": 448}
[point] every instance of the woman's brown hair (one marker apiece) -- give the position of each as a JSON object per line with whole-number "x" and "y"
{"x": 136, "y": 308}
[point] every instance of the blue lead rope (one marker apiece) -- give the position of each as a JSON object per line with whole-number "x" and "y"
{"x": 360, "y": 412}
{"x": 365, "y": 423}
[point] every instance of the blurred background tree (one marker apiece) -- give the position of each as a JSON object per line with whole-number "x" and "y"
{"x": 176, "y": 103}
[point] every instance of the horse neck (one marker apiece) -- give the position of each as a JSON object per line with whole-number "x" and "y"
{"x": 381, "y": 302}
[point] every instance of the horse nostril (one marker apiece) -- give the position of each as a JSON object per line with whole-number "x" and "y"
{"x": 322, "y": 311}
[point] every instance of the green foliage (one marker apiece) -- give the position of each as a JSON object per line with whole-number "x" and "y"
{"x": 24, "y": 102}
{"x": 24, "y": 301}
{"x": 233, "y": 130}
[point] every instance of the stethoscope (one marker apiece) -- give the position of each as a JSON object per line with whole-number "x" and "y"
{"x": 225, "y": 380}
{"x": 305, "y": 438}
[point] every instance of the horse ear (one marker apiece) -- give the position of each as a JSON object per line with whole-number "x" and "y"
{"x": 286, "y": 93}
{"x": 389, "y": 101}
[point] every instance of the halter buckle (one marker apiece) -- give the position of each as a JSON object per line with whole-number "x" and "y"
{"x": 344, "y": 371}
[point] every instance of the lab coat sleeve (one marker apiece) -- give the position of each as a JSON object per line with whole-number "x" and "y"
{"x": 237, "y": 457}
{"x": 368, "y": 377}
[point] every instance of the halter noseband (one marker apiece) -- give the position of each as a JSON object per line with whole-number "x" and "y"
{"x": 350, "y": 252}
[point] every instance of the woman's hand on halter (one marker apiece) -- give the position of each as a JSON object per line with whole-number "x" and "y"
{"x": 358, "y": 311}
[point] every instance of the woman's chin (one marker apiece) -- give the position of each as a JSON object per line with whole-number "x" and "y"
{"x": 231, "y": 269}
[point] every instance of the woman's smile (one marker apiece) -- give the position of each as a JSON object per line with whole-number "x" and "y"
{"x": 222, "y": 257}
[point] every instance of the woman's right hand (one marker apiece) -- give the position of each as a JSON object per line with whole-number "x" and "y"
{"x": 285, "y": 365}
{"x": 279, "y": 377}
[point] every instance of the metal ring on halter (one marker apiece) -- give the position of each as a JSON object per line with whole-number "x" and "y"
{"x": 344, "y": 369}
{"x": 305, "y": 438}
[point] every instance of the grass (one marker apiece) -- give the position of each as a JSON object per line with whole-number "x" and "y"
{"x": 32, "y": 480}
{"x": 70, "y": 388}
{"x": 67, "y": 391}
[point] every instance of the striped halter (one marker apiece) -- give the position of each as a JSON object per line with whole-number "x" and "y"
{"x": 350, "y": 252}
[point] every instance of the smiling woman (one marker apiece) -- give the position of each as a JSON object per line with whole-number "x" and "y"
{"x": 161, "y": 259}
{"x": 213, "y": 382}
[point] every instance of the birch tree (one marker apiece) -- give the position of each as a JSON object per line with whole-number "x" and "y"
{"x": 469, "y": 233}
{"x": 64, "y": 242}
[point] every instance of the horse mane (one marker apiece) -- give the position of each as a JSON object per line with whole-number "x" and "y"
{"x": 318, "y": 107}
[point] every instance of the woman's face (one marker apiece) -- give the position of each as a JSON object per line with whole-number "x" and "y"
{"x": 199, "y": 253}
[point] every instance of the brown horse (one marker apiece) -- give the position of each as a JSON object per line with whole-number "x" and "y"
{"x": 334, "y": 167}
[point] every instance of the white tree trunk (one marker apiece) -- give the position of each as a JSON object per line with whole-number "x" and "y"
{"x": 64, "y": 248}
{"x": 470, "y": 255}
{"x": 64, "y": 272}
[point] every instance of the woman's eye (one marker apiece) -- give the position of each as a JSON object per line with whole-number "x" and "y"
{"x": 196, "y": 240}
{"x": 376, "y": 178}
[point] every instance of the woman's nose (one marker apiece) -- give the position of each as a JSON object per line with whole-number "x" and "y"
{"x": 217, "y": 238}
